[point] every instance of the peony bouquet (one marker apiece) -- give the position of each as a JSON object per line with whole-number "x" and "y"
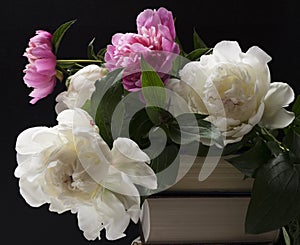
{"x": 132, "y": 109}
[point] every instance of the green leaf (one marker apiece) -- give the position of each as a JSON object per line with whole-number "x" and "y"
{"x": 158, "y": 116}
{"x": 168, "y": 156}
{"x": 139, "y": 128}
{"x": 152, "y": 86}
{"x": 275, "y": 199}
{"x": 296, "y": 122}
{"x": 101, "y": 53}
{"x": 105, "y": 111}
{"x": 247, "y": 142}
{"x": 87, "y": 106}
{"x": 178, "y": 63}
{"x": 232, "y": 148}
{"x": 198, "y": 42}
{"x": 274, "y": 148}
{"x": 108, "y": 93}
{"x": 296, "y": 106}
{"x": 286, "y": 237}
{"x": 102, "y": 85}
{"x": 292, "y": 141}
{"x": 189, "y": 127}
{"x": 90, "y": 51}
{"x": 197, "y": 53}
{"x": 59, "y": 33}
{"x": 251, "y": 160}
{"x": 293, "y": 231}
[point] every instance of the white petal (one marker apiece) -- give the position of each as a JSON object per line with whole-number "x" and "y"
{"x": 24, "y": 165}
{"x": 118, "y": 219}
{"x": 35, "y": 140}
{"x": 258, "y": 60}
{"x": 74, "y": 118}
{"x": 92, "y": 150}
{"x": 261, "y": 55}
{"x": 281, "y": 119}
{"x": 80, "y": 89}
{"x": 66, "y": 118}
{"x": 119, "y": 182}
{"x": 126, "y": 150}
{"x": 257, "y": 117}
{"x": 194, "y": 75}
{"x": 90, "y": 72}
{"x": 129, "y": 159}
{"x": 228, "y": 51}
{"x": 279, "y": 95}
{"x": 61, "y": 103}
{"x": 240, "y": 131}
{"x": 93, "y": 153}
{"x": 132, "y": 205}
{"x": 88, "y": 222}
{"x": 32, "y": 193}
{"x": 139, "y": 173}
{"x": 187, "y": 100}
{"x": 57, "y": 206}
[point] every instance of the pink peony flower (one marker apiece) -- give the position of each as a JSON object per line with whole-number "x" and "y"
{"x": 155, "y": 40}
{"x": 40, "y": 72}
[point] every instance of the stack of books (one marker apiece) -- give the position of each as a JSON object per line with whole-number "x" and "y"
{"x": 212, "y": 211}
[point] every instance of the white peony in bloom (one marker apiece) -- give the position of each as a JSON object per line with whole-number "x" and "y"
{"x": 81, "y": 88}
{"x": 233, "y": 88}
{"x": 70, "y": 167}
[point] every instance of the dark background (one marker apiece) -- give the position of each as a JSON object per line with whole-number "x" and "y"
{"x": 271, "y": 25}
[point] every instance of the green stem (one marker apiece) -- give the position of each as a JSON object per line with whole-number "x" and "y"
{"x": 78, "y": 61}
{"x": 272, "y": 137}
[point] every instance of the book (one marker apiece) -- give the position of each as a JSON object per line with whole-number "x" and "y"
{"x": 212, "y": 211}
{"x": 224, "y": 178}
{"x": 199, "y": 220}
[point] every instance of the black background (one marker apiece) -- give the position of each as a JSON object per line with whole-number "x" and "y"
{"x": 271, "y": 25}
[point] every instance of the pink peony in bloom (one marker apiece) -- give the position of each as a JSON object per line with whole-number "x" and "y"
{"x": 155, "y": 40}
{"x": 40, "y": 72}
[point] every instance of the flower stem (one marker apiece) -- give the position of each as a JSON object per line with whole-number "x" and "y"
{"x": 273, "y": 138}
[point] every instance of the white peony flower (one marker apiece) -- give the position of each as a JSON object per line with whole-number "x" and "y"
{"x": 233, "y": 88}
{"x": 81, "y": 88}
{"x": 70, "y": 167}
{"x": 278, "y": 96}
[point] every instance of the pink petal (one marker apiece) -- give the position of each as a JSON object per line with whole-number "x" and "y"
{"x": 167, "y": 20}
{"x": 165, "y": 32}
{"x": 147, "y": 19}
{"x": 116, "y": 38}
{"x": 46, "y": 66}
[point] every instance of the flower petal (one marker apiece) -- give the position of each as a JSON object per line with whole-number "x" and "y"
{"x": 119, "y": 182}
{"x": 125, "y": 150}
{"x": 132, "y": 205}
{"x": 279, "y": 95}
{"x": 228, "y": 51}
{"x": 32, "y": 192}
{"x": 92, "y": 150}
{"x": 281, "y": 119}
{"x": 118, "y": 221}
{"x": 35, "y": 140}
{"x": 88, "y": 222}
{"x": 259, "y": 54}
{"x": 129, "y": 159}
